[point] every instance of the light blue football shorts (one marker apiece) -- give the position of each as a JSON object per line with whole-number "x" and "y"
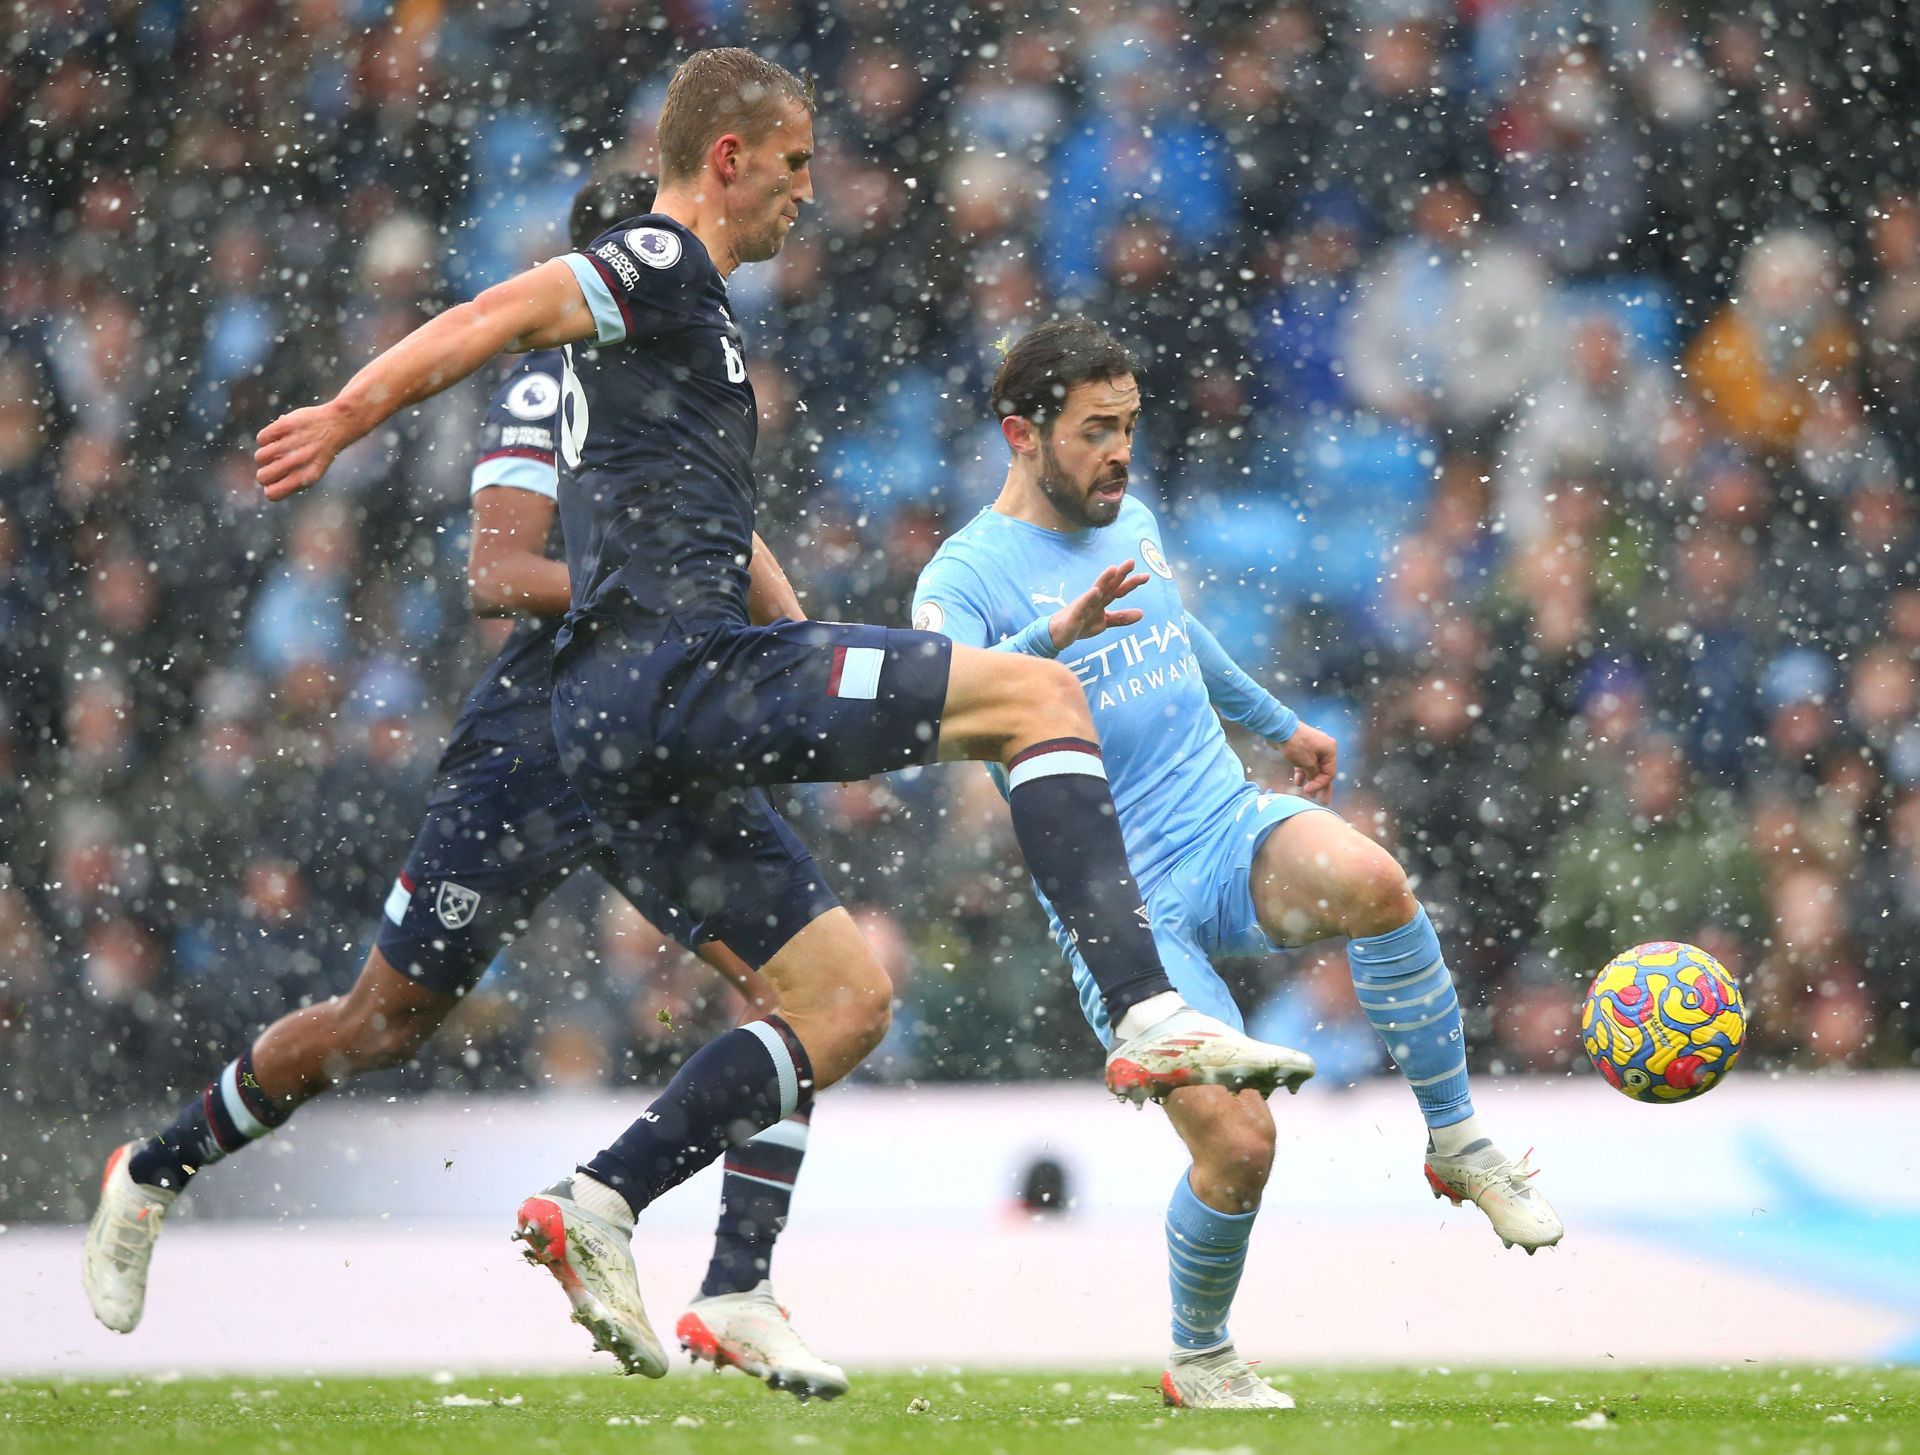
{"x": 1202, "y": 909}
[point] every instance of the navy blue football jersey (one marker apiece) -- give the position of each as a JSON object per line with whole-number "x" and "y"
{"x": 657, "y": 429}
{"x": 510, "y": 706}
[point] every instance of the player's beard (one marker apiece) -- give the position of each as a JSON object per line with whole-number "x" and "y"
{"x": 762, "y": 245}
{"x": 753, "y": 244}
{"x": 1073, "y": 502}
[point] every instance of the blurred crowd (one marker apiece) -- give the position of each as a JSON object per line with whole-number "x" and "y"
{"x": 1530, "y": 388}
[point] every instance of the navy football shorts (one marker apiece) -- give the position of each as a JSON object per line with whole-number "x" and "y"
{"x": 503, "y": 830}
{"x": 671, "y": 734}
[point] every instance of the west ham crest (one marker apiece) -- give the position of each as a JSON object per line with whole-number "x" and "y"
{"x": 455, "y": 904}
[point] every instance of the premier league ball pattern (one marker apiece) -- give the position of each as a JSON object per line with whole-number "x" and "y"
{"x": 1664, "y": 1022}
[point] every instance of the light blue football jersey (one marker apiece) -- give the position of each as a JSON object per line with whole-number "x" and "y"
{"x": 1170, "y": 767}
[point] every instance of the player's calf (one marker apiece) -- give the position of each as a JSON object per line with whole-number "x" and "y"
{"x": 1316, "y": 877}
{"x": 1230, "y": 1138}
{"x": 382, "y": 1021}
{"x": 834, "y": 995}
{"x": 385, "y": 1020}
{"x": 1210, "y": 1217}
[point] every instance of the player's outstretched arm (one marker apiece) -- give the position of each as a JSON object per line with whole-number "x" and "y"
{"x": 770, "y": 595}
{"x": 1238, "y": 698}
{"x": 539, "y": 309}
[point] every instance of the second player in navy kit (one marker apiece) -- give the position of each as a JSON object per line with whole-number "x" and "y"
{"x": 673, "y": 712}
{"x": 503, "y": 829}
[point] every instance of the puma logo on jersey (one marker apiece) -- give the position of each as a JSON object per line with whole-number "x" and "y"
{"x": 1041, "y": 598}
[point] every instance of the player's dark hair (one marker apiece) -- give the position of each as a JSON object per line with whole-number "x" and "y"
{"x": 718, "y": 91}
{"x": 607, "y": 200}
{"x": 1041, "y": 370}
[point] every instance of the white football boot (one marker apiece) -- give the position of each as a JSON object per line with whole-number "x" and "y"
{"x": 752, "y": 1332}
{"x": 120, "y": 1242}
{"x": 1219, "y": 1380}
{"x": 591, "y": 1254}
{"x": 1502, "y": 1189}
{"x": 1191, "y": 1049}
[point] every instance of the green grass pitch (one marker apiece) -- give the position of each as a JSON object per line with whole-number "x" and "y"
{"x": 1346, "y": 1412}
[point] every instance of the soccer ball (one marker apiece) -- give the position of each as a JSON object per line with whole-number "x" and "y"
{"x": 1664, "y": 1022}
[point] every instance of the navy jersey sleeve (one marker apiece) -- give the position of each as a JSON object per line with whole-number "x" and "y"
{"x": 640, "y": 279}
{"x": 516, "y": 441}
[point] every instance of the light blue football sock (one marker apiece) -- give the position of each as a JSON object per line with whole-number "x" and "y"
{"x": 1205, "y": 1252}
{"x": 1407, "y": 993}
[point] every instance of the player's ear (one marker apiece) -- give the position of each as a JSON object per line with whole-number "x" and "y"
{"x": 724, "y": 155}
{"x": 1021, "y": 435}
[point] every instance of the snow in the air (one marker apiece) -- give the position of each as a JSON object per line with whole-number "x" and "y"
{"x": 1530, "y": 398}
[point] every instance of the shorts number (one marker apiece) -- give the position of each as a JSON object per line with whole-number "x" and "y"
{"x": 736, "y": 366}
{"x": 573, "y": 412}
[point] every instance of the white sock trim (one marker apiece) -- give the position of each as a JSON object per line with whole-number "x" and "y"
{"x": 602, "y": 1201}
{"x": 788, "y": 1133}
{"x": 251, "y": 1127}
{"x": 783, "y": 1067}
{"x": 1055, "y": 762}
{"x": 1147, "y": 1013}
{"x": 1450, "y": 1140}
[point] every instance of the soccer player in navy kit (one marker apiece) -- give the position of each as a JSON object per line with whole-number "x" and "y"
{"x": 673, "y": 713}
{"x": 503, "y": 829}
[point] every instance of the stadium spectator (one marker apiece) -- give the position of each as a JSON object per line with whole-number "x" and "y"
{"x": 1760, "y": 363}
{"x": 1450, "y": 325}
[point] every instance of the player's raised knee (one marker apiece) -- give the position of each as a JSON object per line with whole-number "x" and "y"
{"x": 1376, "y": 897}
{"x": 1054, "y": 702}
{"x": 852, "y": 1020}
{"x": 867, "y": 1000}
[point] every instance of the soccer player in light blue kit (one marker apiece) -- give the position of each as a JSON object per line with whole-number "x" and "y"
{"x": 1225, "y": 868}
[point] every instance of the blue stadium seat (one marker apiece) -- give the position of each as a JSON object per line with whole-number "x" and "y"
{"x": 1316, "y": 535}
{"x": 1241, "y": 562}
{"x": 895, "y": 459}
{"x": 1643, "y": 307}
{"x": 518, "y": 174}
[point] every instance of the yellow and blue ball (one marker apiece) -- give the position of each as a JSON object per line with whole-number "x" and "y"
{"x": 1664, "y": 1022}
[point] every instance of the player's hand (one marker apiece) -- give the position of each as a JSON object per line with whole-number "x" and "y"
{"x": 1316, "y": 759}
{"x": 295, "y": 450}
{"x": 1089, "y": 614}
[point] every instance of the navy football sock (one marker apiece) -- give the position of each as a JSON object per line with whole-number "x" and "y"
{"x": 1069, "y": 833}
{"x": 754, "y": 1198}
{"x": 731, "y": 1088}
{"x": 230, "y": 1113}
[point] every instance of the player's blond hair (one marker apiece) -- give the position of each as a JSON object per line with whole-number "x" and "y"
{"x": 719, "y": 91}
